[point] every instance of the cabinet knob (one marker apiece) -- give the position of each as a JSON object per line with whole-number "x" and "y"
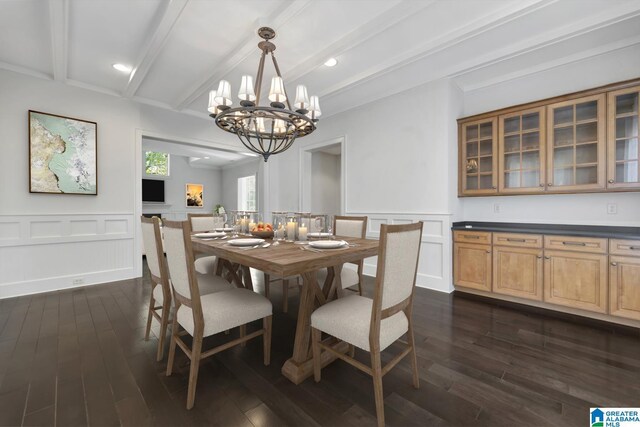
{"x": 611, "y": 181}
{"x": 539, "y": 257}
{"x": 614, "y": 264}
{"x": 549, "y": 184}
{"x": 541, "y": 184}
{"x": 488, "y": 252}
{"x": 547, "y": 257}
{"x": 494, "y": 187}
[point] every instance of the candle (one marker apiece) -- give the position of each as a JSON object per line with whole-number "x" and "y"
{"x": 302, "y": 233}
{"x": 291, "y": 231}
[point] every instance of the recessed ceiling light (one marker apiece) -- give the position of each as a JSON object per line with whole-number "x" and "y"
{"x": 331, "y": 62}
{"x": 123, "y": 68}
{"x": 206, "y": 158}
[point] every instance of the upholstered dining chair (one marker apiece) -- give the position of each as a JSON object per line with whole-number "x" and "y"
{"x": 374, "y": 324}
{"x": 349, "y": 226}
{"x": 202, "y": 222}
{"x": 204, "y": 315}
{"x": 160, "y": 301}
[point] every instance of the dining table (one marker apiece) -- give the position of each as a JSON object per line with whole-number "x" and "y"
{"x": 286, "y": 259}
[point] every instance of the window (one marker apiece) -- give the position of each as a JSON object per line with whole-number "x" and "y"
{"x": 247, "y": 193}
{"x": 156, "y": 163}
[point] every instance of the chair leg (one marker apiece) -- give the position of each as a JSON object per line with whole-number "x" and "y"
{"x": 193, "y": 370}
{"x": 243, "y": 333}
{"x": 152, "y": 303}
{"x": 267, "y": 280}
{"x": 173, "y": 344}
{"x": 352, "y": 350}
{"x": 316, "y": 336}
{"x": 285, "y": 295}
{"x": 414, "y": 359}
{"x": 376, "y": 365}
{"x": 164, "y": 323}
{"x": 266, "y": 339}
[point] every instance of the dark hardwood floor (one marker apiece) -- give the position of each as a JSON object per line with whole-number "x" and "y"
{"x": 77, "y": 357}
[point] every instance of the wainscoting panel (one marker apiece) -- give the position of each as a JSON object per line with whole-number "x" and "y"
{"x": 434, "y": 269}
{"x": 41, "y": 253}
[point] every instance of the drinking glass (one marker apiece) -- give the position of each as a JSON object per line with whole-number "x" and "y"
{"x": 318, "y": 225}
{"x": 329, "y": 220}
{"x": 279, "y": 223}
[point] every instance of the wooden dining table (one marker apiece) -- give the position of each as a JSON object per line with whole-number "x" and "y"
{"x": 287, "y": 259}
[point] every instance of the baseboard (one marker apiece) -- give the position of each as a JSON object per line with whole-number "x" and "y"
{"x": 16, "y": 289}
{"x": 422, "y": 280}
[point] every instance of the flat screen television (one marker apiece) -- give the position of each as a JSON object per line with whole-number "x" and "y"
{"x": 153, "y": 190}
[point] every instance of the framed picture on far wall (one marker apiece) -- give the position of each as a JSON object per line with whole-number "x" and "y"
{"x": 63, "y": 155}
{"x": 195, "y": 195}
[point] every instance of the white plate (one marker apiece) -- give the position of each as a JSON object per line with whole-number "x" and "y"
{"x": 224, "y": 229}
{"x": 211, "y": 234}
{"x": 245, "y": 242}
{"x": 327, "y": 244}
{"x": 316, "y": 234}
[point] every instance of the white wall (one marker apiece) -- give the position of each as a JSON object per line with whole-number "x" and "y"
{"x": 52, "y": 242}
{"x": 325, "y": 183}
{"x": 181, "y": 173}
{"x": 394, "y": 169}
{"x": 556, "y": 208}
{"x": 230, "y": 175}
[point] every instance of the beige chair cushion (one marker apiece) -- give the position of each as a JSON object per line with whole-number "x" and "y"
{"x": 226, "y": 310}
{"x": 348, "y": 276}
{"x": 206, "y": 265}
{"x": 207, "y": 284}
{"x": 349, "y": 319}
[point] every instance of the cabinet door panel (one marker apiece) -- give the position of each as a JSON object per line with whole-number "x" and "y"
{"x": 521, "y": 150}
{"x": 623, "y": 169}
{"x": 577, "y": 280}
{"x": 518, "y": 272}
{"x": 576, "y": 144}
{"x": 472, "y": 266}
{"x": 624, "y": 287}
{"x": 479, "y": 157}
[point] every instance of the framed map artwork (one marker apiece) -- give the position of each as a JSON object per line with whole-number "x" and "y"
{"x": 62, "y": 155}
{"x": 194, "y": 195}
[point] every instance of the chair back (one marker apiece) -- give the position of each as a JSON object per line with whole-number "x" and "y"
{"x": 152, "y": 241}
{"x": 177, "y": 244}
{"x": 202, "y": 222}
{"x": 397, "y": 266}
{"x": 350, "y": 226}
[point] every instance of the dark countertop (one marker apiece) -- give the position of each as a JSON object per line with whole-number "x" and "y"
{"x": 554, "y": 229}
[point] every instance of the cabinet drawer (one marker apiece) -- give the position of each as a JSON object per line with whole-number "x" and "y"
{"x": 478, "y": 237}
{"x": 624, "y": 247}
{"x": 576, "y": 244}
{"x": 518, "y": 240}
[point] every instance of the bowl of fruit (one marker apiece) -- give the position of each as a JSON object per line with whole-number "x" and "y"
{"x": 262, "y": 230}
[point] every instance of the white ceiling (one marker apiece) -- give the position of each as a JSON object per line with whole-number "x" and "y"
{"x": 180, "y": 49}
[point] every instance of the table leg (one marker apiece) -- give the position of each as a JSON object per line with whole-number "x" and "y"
{"x": 300, "y": 365}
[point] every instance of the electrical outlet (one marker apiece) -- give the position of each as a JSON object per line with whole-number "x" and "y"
{"x": 612, "y": 208}
{"x": 79, "y": 281}
{"x": 496, "y": 208}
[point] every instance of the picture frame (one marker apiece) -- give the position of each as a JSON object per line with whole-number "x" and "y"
{"x": 194, "y": 195}
{"x": 63, "y": 154}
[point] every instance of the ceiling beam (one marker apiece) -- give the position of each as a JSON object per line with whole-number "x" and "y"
{"x": 239, "y": 53}
{"x": 59, "y": 28}
{"x": 163, "y": 24}
{"x": 384, "y": 20}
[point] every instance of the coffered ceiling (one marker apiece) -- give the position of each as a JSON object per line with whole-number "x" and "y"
{"x": 180, "y": 49}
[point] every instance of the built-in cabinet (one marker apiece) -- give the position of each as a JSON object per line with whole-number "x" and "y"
{"x": 584, "y": 142}
{"x": 588, "y": 274}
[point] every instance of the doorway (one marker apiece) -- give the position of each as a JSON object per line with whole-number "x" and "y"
{"x": 322, "y": 177}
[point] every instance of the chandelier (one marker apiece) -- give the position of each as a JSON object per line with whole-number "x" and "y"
{"x": 265, "y": 130}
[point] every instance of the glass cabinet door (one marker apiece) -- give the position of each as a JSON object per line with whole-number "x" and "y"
{"x": 576, "y": 144}
{"x": 521, "y": 149}
{"x": 478, "y": 157}
{"x": 622, "y": 141}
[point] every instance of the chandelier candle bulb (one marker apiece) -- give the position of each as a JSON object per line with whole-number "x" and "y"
{"x": 276, "y": 94}
{"x": 223, "y": 95}
{"x": 246, "y": 92}
{"x": 314, "y": 108}
{"x": 213, "y": 105}
{"x": 302, "y": 99}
